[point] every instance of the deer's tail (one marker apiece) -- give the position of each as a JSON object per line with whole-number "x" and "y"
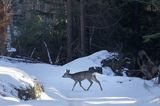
{"x": 96, "y": 70}
{"x": 99, "y": 70}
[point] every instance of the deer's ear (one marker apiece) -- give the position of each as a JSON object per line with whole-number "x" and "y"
{"x": 67, "y": 71}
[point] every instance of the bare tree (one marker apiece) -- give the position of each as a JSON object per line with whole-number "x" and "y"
{"x": 48, "y": 53}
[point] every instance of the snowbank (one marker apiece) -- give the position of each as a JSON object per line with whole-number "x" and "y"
{"x": 116, "y": 90}
{"x": 15, "y": 83}
{"x": 93, "y": 60}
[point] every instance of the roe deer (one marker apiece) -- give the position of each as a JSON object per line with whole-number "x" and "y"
{"x": 79, "y": 76}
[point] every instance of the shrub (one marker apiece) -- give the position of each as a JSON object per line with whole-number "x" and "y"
{"x": 30, "y": 93}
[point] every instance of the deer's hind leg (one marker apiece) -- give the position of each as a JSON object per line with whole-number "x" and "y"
{"x": 81, "y": 86}
{"x": 95, "y": 79}
{"x": 91, "y": 82}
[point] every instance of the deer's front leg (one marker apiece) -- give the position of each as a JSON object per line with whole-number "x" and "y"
{"x": 74, "y": 85}
{"x": 95, "y": 79}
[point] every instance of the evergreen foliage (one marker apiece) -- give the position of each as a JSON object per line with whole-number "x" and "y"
{"x": 123, "y": 26}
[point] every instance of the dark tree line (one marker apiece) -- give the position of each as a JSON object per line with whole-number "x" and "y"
{"x": 74, "y": 28}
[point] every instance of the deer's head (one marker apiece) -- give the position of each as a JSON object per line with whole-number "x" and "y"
{"x": 66, "y": 74}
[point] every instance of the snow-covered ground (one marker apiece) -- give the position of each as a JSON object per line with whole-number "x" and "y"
{"x": 123, "y": 91}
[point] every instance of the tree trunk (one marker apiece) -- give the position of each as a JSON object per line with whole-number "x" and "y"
{"x": 82, "y": 27}
{"x": 4, "y": 21}
{"x": 69, "y": 30}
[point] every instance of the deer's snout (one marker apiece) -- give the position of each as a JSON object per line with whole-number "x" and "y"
{"x": 63, "y": 76}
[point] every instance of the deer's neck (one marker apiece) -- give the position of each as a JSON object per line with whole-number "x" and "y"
{"x": 70, "y": 76}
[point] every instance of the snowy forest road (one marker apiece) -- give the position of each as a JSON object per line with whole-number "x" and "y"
{"x": 89, "y": 101}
